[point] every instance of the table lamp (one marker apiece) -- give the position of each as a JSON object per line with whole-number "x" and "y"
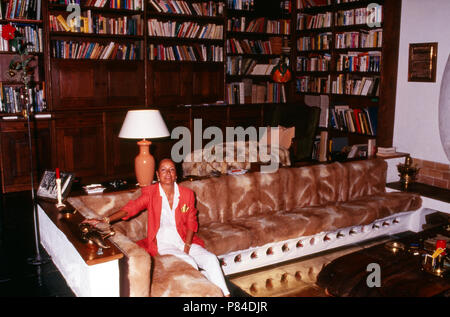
{"x": 144, "y": 124}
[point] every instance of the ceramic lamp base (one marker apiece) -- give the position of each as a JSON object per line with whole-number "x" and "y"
{"x": 144, "y": 164}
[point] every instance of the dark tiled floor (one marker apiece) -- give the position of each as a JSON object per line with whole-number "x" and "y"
{"x": 18, "y": 278}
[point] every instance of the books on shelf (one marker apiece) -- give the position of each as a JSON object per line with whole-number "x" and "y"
{"x": 186, "y": 29}
{"x": 113, "y": 4}
{"x": 359, "y": 16}
{"x": 99, "y": 24}
{"x": 314, "y": 21}
{"x": 313, "y": 84}
{"x": 301, "y": 4}
{"x": 247, "y": 5}
{"x": 246, "y": 91}
{"x": 94, "y": 50}
{"x": 320, "y": 41}
{"x": 246, "y": 46}
{"x": 33, "y": 34}
{"x": 357, "y": 85}
{"x": 354, "y": 120}
{"x": 207, "y": 8}
{"x": 11, "y": 101}
{"x": 195, "y": 52}
{"x": 359, "y": 62}
{"x": 22, "y": 9}
{"x": 313, "y": 63}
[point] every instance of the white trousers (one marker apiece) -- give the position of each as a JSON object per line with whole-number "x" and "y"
{"x": 199, "y": 258}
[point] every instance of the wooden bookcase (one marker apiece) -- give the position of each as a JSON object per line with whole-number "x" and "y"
{"x": 336, "y": 47}
{"x": 89, "y": 98}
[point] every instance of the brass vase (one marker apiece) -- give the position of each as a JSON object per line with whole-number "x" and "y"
{"x": 407, "y": 172}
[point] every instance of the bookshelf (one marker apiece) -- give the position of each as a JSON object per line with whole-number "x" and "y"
{"x": 255, "y": 34}
{"x": 342, "y": 52}
{"x": 182, "y": 57}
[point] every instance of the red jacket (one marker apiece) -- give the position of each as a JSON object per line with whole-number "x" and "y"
{"x": 185, "y": 215}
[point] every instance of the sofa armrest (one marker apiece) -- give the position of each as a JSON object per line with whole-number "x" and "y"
{"x": 134, "y": 267}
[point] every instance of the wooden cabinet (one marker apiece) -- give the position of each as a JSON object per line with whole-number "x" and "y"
{"x": 15, "y": 153}
{"x": 120, "y": 153}
{"x": 79, "y": 144}
{"x": 79, "y": 84}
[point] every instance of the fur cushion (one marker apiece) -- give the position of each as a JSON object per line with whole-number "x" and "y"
{"x": 172, "y": 277}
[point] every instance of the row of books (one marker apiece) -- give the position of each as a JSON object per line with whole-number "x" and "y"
{"x": 365, "y": 86}
{"x": 313, "y": 63}
{"x": 356, "y": 120}
{"x": 362, "y": 39}
{"x": 248, "y": 5}
{"x": 195, "y": 53}
{"x": 98, "y": 24}
{"x": 359, "y": 62}
{"x": 312, "y": 84}
{"x": 320, "y": 20}
{"x": 21, "y": 9}
{"x": 359, "y": 16}
{"x": 33, "y": 35}
{"x": 11, "y": 100}
{"x": 206, "y": 8}
{"x": 185, "y": 29}
{"x": 320, "y": 41}
{"x": 301, "y": 4}
{"x": 261, "y": 25}
{"x": 248, "y": 92}
{"x": 113, "y": 4}
{"x": 238, "y": 65}
{"x": 247, "y": 46}
{"x": 92, "y": 50}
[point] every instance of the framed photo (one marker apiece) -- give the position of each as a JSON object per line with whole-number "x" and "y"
{"x": 422, "y": 62}
{"x": 47, "y": 187}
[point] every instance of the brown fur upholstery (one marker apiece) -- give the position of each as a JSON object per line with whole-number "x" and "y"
{"x": 258, "y": 208}
{"x": 250, "y": 210}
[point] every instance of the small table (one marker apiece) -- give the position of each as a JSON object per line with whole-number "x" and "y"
{"x": 400, "y": 271}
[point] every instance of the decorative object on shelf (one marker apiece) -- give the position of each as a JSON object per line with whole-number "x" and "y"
{"x": 144, "y": 124}
{"x": 48, "y": 187}
{"x": 20, "y": 66}
{"x": 96, "y": 234}
{"x": 422, "y": 62}
{"x": 407, "y": 172}
{"x": 281, "y": 73}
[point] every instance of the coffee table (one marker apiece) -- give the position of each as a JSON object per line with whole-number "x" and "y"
{"x": 400, "y": 271}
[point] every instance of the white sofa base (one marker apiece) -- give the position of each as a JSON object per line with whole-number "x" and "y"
{"x": 272, "y": 253}
{"x": 84, "y": 280}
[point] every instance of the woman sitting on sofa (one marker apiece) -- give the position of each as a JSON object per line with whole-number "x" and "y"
{"x": 172, "y": 223}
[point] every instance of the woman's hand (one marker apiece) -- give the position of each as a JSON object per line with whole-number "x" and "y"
{"x": 187, "y": 247}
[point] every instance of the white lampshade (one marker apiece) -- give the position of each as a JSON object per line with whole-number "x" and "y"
{"x": 143, "y": 124}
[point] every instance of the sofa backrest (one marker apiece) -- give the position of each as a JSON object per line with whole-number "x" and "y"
{"x": 220, "y": 199}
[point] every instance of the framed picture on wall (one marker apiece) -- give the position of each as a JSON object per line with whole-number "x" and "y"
{"x": 422, "y": 62}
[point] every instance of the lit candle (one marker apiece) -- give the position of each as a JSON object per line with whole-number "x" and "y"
{"x": 57, "y": 172}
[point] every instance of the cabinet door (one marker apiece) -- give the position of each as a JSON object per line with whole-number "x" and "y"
{"x": 125, "y": 83}
{"x": 80, "y": 146}
{"x": 168, "y": 84}
{"x": 120, "y": 153}
{"x": 207, "y": 83}
{"x": 92, "y": 84}
{"x": 15, "y": 154}
{"x": 77, "y": 84}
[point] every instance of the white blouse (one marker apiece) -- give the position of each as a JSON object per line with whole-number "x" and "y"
{"x": 167, "y": 235}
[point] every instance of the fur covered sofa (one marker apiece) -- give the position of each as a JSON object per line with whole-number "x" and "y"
{"x": 258, "y": 219}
